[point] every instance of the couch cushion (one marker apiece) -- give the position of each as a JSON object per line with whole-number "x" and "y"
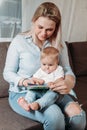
{"x": 78, "y": 54}
{"x": 81, "y": 92}
{"x": 3, "y": 83}
{"x": 9, "y": 120}
{"x": 81, "y": 88}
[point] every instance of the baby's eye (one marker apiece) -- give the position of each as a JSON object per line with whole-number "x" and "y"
{"x": 50, "y": 64}
{"x": 44, "y": 64}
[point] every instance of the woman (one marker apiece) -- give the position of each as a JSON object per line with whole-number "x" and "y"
{"x": 24, "y": 52}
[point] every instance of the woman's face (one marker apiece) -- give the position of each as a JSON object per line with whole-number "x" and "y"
{"x": 44, "y": 28}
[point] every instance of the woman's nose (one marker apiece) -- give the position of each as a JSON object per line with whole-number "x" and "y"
{"x": 44, "y": 32}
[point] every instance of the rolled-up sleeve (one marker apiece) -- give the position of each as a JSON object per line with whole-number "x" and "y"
{"x": 11, "y": 68}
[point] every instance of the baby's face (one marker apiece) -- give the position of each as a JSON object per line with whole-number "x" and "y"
{"x": 48, "y": 65}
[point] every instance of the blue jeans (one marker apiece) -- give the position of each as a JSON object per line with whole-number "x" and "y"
{"x": 51, "y": 117}
{"x": 43, "y": 97}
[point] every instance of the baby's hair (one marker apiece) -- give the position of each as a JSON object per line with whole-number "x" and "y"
{"x": 50, "y": 52}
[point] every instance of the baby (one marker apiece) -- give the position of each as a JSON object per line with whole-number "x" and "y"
{"x": 48, "y": 73}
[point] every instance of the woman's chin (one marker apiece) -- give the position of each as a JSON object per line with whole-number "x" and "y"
{"x": 42, "y": 38}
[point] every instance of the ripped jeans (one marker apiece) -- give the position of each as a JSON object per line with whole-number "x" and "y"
{"x": 51, "y": 117}
{"x": 76, "y": 122}
{"x": 75, "y": 118}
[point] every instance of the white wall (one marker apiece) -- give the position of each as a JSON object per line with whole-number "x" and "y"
{"x": 74, "y": 17}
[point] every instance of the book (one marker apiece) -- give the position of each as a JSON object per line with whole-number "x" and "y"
{"x": 37, "y": 86}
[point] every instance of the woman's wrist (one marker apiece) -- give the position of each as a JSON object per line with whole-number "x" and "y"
{"x": 22, "y": 81}
{"x": 70, "y": 81}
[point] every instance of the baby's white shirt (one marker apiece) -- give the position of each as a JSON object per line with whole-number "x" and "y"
{"x": 51, "y": 77}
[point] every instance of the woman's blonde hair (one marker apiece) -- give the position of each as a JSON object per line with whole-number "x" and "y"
{"x": 50, "y": 10}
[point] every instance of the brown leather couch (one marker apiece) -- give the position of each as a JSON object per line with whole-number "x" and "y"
{"x": 9, "y": 120}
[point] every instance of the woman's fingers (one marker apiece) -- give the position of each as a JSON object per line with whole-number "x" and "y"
{"x": 60, "y": 86}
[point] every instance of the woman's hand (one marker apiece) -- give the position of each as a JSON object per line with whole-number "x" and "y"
{"x": 25, "y": 82}
{"x": 63, "y": 85}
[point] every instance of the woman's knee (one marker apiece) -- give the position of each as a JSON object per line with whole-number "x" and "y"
{"x": 72, "y": 109}
{"x": 77, "y": 122}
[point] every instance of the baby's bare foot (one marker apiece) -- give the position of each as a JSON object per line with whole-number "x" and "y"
{"x": 23, "y": 103}
{"x": 34, "y": 106}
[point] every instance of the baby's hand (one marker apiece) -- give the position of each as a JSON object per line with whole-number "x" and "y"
{"x": 38, "y": 81}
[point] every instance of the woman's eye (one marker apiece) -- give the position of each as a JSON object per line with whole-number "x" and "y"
{"x": 40, "y": 27}
{"x": 49, "y": 30}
